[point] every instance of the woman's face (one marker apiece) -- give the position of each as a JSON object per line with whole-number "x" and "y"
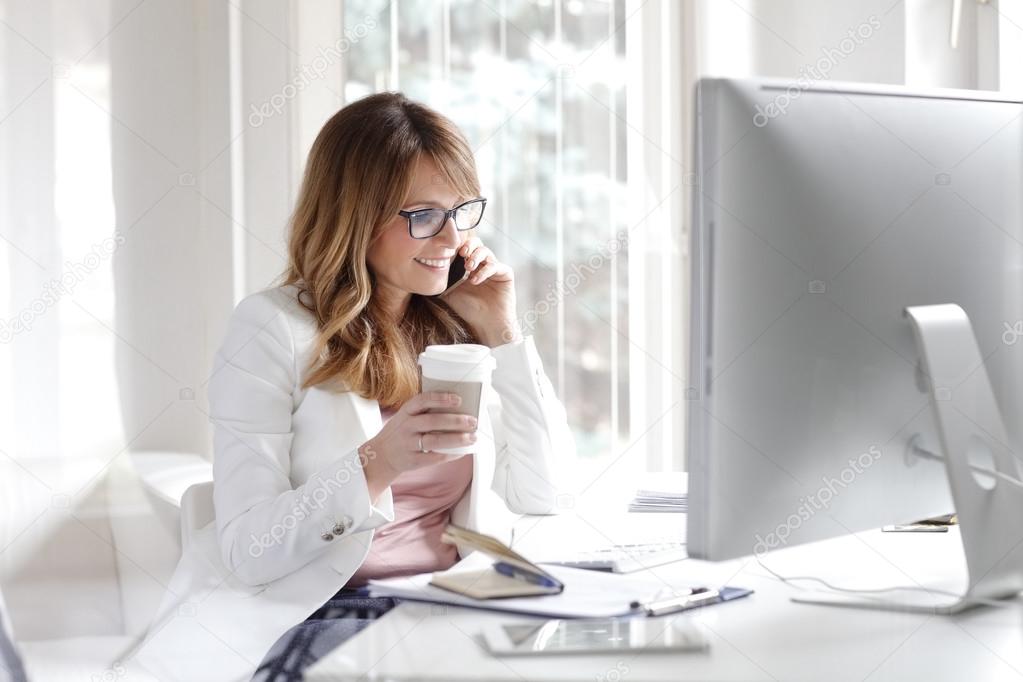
{"x": 397, "y": 259}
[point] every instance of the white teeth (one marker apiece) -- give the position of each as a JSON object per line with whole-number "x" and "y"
{"x": 433, "y": 263}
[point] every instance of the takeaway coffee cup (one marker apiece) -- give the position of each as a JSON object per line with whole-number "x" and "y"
{"x": 462, "y": 368}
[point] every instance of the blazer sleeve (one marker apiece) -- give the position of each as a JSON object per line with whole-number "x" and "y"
{"x": 266, "y": 526}
{"x": 534, "y": 444}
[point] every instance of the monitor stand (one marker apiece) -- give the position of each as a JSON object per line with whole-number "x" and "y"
{"x": 989, "y": 509}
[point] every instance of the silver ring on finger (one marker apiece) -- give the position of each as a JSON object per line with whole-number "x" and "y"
{"x": 421, "y": 443}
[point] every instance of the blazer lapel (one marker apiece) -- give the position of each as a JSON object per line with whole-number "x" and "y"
{"x": 368, "y": 412}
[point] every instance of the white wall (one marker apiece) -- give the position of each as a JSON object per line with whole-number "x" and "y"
{"x": 159, "y": 284}
{"x": 911, "y": 43}
{"x": 114, "y": 123}
{"x": 781, "y": 38}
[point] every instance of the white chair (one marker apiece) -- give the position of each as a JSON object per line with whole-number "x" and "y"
{"x": 196, "y": 509}
{"x": 166, "y": 478}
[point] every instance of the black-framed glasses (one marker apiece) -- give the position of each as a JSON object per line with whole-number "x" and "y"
{"x": 424, "y": 223}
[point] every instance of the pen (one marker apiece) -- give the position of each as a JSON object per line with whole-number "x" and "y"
{"x": 697, "y": 596}
{"x": 513, "y": 571}
{"x": 679, "y": 594}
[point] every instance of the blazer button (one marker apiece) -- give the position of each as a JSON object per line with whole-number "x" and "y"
{"x": 327, "y": 536}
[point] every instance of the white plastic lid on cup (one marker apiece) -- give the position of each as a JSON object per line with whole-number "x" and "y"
{"x": 458, "y": 362}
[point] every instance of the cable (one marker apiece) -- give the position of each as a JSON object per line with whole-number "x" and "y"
{"x": 924, "y": 453}
{"x": 789, "y": 580}
{"x": 998, "y": 474}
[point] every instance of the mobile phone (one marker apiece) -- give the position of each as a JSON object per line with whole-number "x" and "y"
{"x": 598, "y": 635}
{"x": 455, "y": 274}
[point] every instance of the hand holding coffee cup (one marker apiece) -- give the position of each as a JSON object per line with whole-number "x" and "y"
{"x": 439, "y": 424}
{"x": 463, "y": 369}
{"x": 417, "y": 436}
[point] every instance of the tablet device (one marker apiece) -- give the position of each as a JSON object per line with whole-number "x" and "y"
{"x": 594, "y": 636}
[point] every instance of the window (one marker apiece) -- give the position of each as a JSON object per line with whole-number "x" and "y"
{"x": 577, "y": 113}
{"x": 539, "y": 90}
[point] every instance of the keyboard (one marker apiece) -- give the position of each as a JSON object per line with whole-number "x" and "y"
{"x": 625, "y": 558}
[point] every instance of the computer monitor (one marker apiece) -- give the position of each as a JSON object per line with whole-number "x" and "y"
{"x": 821, "y": 213}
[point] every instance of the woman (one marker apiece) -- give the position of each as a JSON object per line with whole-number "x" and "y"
{"x": 325, "y": 473}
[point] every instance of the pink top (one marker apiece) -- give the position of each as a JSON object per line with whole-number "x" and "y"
{"x": 423, "y": 499}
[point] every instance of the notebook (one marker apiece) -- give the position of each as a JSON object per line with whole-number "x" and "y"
{"x": 511, "y": 574}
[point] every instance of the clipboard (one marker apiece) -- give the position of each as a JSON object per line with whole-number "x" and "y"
{"x": 583, "y": 593}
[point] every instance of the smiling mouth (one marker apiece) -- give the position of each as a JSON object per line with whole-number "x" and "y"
{"x": 434, "y": 263}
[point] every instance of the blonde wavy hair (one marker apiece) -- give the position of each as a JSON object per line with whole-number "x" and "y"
{"x": 358, "y": 175}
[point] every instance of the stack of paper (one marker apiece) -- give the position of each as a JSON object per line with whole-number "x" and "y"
{"x": 659, "y": 501}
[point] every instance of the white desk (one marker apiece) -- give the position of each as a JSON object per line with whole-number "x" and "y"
{"x": 761, "y": 637}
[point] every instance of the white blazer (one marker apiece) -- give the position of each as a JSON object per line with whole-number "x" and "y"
{"x": 293, "y": 516}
